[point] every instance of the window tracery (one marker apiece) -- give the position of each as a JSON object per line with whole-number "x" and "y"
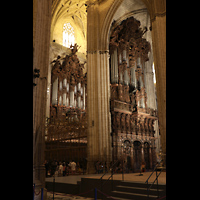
{"x": 68, "y": 35}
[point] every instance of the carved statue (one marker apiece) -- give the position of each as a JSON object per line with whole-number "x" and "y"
{"x": 74, "y": 48}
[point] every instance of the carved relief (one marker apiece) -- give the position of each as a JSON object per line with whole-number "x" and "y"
{"x": 113, "y": 92}
{"x": 118, "y": 116}
{"x": 127, "y": 122}
{"x": 132, "y": 123}
{"x": 128, "y": 96}
{"x": 129, "y": 34}
{"x": 120, "y": 92}
{"x": 123, "y": 122}
{"x": 68, "y": 120}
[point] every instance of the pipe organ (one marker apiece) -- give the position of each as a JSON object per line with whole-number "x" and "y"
{"x": 67, "y": 126}
{"x": 132, "y": 122}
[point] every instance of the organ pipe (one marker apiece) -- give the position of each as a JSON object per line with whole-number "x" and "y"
{"x": 115, "y": 67}
{"x": 55, "y": 92}
{"x": 124, "y": 54}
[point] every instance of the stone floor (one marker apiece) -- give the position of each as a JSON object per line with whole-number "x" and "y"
{"x": 61, "y": 196}
{"x": 58, "y": 196}
{"x": 134, "y": 177}
{"x": 72, "y": 179}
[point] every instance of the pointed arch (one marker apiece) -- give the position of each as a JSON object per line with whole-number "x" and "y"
{"x": 108, "y": 21}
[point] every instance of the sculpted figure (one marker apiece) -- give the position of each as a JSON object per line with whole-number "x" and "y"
{"x": 127, "y": 122}
{"x": 120, "y": 92}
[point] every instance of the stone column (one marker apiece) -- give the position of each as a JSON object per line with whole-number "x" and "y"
{"x": 149, "y": 83}
{"x": 158, "y": 21}
{"x": 41, "y": 43}
{"x": 98, "y": 93}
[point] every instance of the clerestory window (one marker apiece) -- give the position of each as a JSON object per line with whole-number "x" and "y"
{"x": 68, "y": 35}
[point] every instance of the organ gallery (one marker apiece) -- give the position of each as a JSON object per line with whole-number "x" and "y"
{"x": 94, "y": 92}
{"x": 67, "y": 125}
{"x": 132, "y": 121}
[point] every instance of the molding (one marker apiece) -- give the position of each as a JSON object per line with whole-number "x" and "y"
{"x": 103, "y": 51}
{"x": 98, "y": 51}
{"x": 161, "y": 14}
{"x": 91, "y": 52}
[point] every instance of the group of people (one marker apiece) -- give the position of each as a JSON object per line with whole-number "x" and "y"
{"x": 117, "y": 167}
{"x": 101, "y": 167}
{"x": 67, "y": 168}
{"x": 64, "y": 168}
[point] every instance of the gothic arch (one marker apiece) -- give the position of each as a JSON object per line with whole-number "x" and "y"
{"x": 138, "y": 140}
{"x": 107, "y": 24}
{"x": 157, "y": 12}
{"x": 108, "y": 21}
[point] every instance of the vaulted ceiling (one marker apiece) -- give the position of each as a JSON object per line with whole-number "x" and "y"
{"x": 70, "y": 9}
{"x": 74, "y": 11}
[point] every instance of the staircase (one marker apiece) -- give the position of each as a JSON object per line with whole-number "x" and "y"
{"x": 141, "y": 191}
{"x": 137, "y": 191}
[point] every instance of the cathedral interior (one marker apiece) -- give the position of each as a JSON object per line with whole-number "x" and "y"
{"x": 99, "y": 82}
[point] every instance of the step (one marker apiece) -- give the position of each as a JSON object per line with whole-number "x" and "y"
{"x": 117, "y": 198}
{"x": 139, "y": 188}
{"x": 143, "y": 185}
{"x": 135, "y": 196}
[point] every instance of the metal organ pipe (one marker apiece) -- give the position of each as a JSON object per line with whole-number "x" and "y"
{"x": 133, "y": 77}
{"x": 125, "y": 77}
{"x": 141, "y": 82}
{"x": 112, "y": 68}
{"x": 138, "y": 62}
{"x": 55, "y": 92}
{"x": 71, "y": 98}
{"x": 124, "y": 54}
{"x": 84, "y": 97}
{"x": 115, "y": 67}
{"x": 120, "y": 58}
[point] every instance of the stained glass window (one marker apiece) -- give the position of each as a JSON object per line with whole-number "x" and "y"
{"x": 68, "y": 35}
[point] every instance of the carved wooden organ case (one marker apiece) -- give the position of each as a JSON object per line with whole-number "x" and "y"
{"x": 130, "y": 118}
{"x": 67, "y": 126}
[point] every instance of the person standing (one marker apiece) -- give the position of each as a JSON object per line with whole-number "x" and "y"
{"x": 73, "y": 167}
{"x": 60, "y": 170}
{"x": 143, "y": 167}
{"x": 46, "y": 164}
{"x": 64, "y": 169}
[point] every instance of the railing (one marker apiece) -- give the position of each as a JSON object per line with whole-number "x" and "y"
{"x": 156, "y": 179}
{"x": 111, "y": 176}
